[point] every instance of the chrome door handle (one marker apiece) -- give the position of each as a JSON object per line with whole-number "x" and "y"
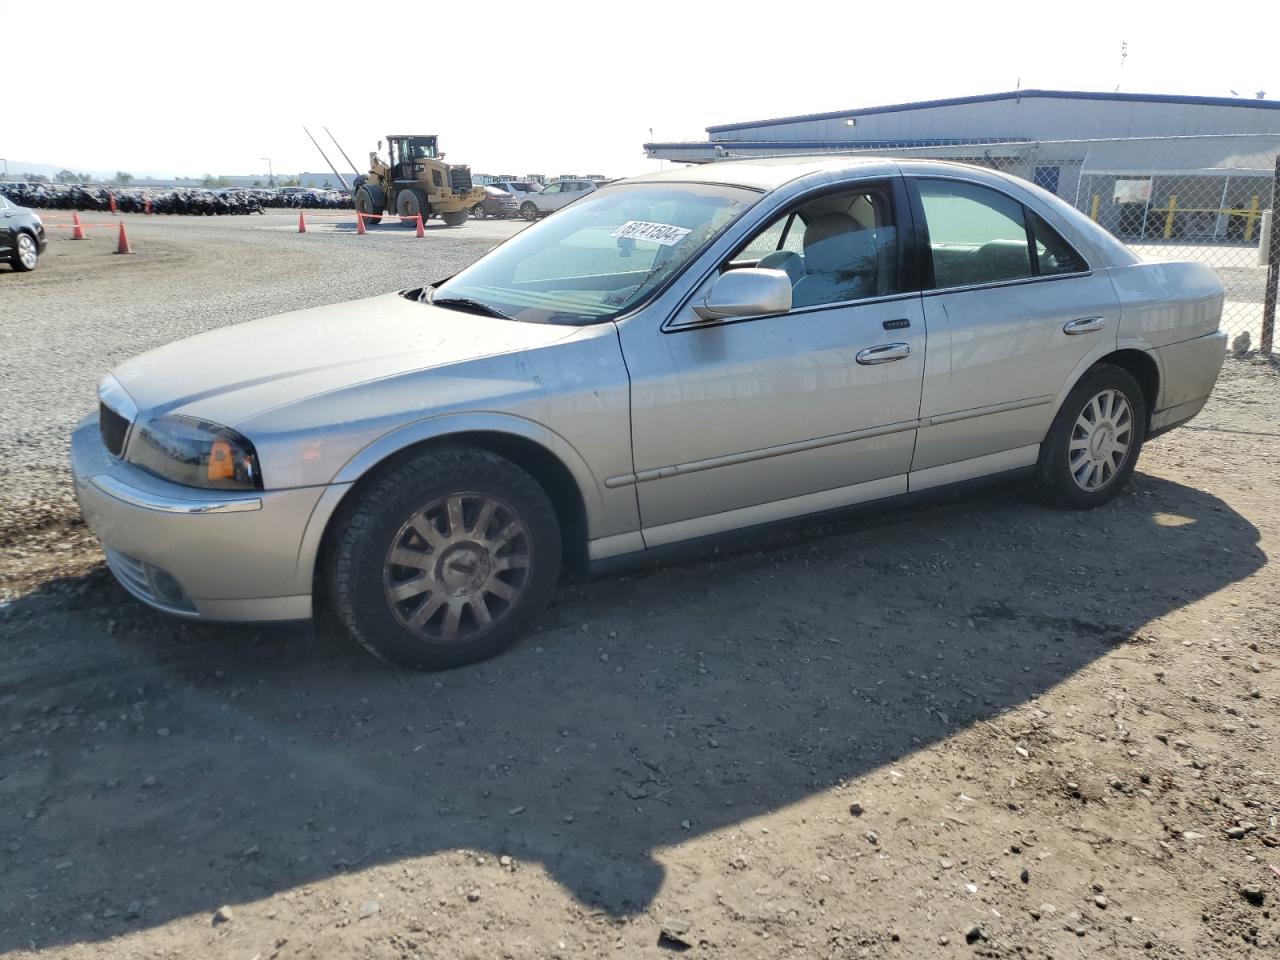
{"x": 883, "y": 353}
{"x": 1074, "y": 328}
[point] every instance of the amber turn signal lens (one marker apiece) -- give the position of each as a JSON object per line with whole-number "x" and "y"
{"x": 222, "y": 465}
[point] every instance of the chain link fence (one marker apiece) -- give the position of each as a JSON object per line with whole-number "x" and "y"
{"x": 1168, "y": 198}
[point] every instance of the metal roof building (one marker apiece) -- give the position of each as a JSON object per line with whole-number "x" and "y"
{"x": 1018, "y": 116}
{"x": 1145, "y": 166}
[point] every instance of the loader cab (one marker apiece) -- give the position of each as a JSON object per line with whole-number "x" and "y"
{"x": 412, "y": 155}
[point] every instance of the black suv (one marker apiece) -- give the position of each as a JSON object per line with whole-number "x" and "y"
{"x": 22, "y": 238}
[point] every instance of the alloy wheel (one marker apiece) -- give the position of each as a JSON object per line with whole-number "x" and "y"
{"x": 457, "y": 566}
{"x": 27, "y": 251}
{"x": 1100, "y": 440}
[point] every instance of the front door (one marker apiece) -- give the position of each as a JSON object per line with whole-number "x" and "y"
{"x": 7, "y": 234}
{"x": 1014, "y": 310}
{"x": 750, "y": 420}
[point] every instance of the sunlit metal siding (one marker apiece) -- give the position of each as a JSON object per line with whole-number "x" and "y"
{"x": 1031, "y": 115}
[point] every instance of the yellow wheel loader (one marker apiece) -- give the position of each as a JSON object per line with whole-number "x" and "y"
{"x": 416, "y": 180}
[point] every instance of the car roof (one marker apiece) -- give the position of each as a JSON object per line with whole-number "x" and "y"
{"x": 801, "y": 173}
{"x": 763, "y": 174}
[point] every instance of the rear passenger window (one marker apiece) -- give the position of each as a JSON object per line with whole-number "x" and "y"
{"x": 977, "y": 235}
{"x": 1053, "y": 254}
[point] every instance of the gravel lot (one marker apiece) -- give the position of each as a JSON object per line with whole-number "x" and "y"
{"x": 984, "y": 729}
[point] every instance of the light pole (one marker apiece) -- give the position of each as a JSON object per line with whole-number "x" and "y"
{"x": 6, "y": 167}
{"x": 271, "y": 176}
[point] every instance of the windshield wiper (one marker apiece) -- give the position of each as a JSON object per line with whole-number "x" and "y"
{"x": 467, "y": 305}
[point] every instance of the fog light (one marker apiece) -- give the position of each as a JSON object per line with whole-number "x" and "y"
{"x": 166, "y": 587}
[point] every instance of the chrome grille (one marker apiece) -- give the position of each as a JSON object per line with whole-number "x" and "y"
{"x": 114, "y": 428}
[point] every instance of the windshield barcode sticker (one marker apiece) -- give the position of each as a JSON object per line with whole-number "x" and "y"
{"x": 663, "y": 233}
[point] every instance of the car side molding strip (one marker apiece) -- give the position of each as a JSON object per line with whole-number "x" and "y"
{"x": 800, "y": 446}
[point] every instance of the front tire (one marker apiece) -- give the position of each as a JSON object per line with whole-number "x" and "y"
{"x": 455, "y": 218}
{"x": 1093, "y": 445}
{"x": 445, "y": 559}
{"x": 410, "y": 203}
{"x": 478, "y": 211}
{"x": 25, "y": 254}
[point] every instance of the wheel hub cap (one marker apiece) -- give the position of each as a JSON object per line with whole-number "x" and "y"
{"x": 463, "y": 569}
{"x": 1100, "y": 440}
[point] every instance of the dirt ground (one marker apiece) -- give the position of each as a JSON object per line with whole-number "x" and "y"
{"x": 982, "y": 729}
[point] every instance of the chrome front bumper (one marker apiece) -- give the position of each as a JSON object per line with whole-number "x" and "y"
{"x": 198, "y": 553}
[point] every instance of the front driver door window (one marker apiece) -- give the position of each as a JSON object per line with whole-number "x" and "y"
{"x": 781, "y": 415}
{"x": 551, "y": 197}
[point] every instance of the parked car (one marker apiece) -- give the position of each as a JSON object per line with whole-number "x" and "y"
{"x": 496, "y": 203}
{"x": 22, "y": 238}
{"x": 554, "y": 196}
{"x": 676, "y": 356}
{"x": 519, "y": 189}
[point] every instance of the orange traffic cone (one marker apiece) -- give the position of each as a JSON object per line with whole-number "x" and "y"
{"x": 122, "y": 245}
{"x": 111, "y": 202}
{"x": 302, "y": 224}
{"x": 77, "y": 231}
{"x": 359, "y": 223}
{"x": 419, "y": 232}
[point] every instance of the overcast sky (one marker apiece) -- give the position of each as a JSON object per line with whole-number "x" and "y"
{"x": 168, "y": 89}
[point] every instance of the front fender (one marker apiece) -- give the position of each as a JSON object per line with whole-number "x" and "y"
{"x": 435, "y": 428}
{"x": 451, "y": 424}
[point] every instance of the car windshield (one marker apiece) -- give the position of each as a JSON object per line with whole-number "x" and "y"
{"x": 600, "y": 256}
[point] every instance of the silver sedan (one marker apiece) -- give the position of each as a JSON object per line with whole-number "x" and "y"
{"x": 668, "y": 358}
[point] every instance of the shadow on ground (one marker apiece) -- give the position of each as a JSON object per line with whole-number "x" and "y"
{"x": 153, "y": 769}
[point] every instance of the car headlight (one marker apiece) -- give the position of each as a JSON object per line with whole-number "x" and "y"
{"x": 196, "y": 453}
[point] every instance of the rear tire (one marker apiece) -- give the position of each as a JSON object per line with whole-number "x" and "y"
{"x": 444, "y": 559}
{"x": 455, "y": 219}
{"x": 528, "y": 210}
{"x": 1093, "y": 445}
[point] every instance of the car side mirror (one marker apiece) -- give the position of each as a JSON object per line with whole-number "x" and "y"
{"x": 749, "y": 292}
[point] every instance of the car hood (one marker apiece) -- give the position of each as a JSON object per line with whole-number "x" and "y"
{"x": 241, "y": 371}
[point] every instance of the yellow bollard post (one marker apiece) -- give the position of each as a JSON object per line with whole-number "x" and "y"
{"x": 1249, "y": 218}
{"x": 1168, "y": 216}
{"x": 1093, "y": 209}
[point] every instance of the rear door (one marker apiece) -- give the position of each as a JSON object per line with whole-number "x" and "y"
{"x": 1012, "y": 312}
